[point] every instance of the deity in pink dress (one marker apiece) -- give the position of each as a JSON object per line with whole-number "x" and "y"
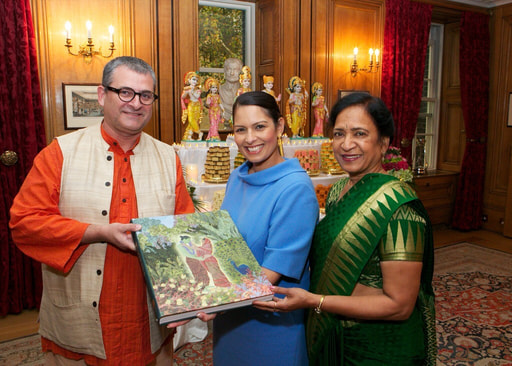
{"x": 320, "y": 110}
{"x": 215, "y": 108}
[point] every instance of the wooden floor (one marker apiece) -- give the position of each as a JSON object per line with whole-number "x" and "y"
{"x": 19, "y": 325}
{"x": 14, "y": 326}
{"x": 444, "y": 236}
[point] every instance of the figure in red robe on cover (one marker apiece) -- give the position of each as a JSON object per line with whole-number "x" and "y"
{"x": 201, "y": 261}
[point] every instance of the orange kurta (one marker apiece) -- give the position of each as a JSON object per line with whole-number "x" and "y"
{"x": 122, "y": 308}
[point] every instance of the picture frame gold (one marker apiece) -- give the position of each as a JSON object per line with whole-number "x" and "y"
{"x": 344, "y": 92}
{"x": 81, "y": 106}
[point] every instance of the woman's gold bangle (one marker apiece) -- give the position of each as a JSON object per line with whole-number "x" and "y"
{"x": 318, "y": 309}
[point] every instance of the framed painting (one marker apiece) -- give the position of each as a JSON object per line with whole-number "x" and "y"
{"x": 81, "y": 106}
{"x": 343, "y": 93}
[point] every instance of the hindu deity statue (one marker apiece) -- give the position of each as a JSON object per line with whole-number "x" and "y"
{"x": 296, "y": 108}
{"x": 245, "y": 81}
{"x": 215, "y": 108}
{"x": 268, "y": 83}
{"x": 191, "y": 106}
{"x": 320, "y": 111}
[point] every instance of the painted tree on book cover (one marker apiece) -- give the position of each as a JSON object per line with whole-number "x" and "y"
{"x": 196, "y": 260}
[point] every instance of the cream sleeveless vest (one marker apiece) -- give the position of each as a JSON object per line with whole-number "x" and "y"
{"x": 69, "y": 306}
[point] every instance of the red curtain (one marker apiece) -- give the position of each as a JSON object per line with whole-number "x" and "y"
{"x": 406, "y": 35}
{"x": 474, "y": 90}
{"x": 21, "y": 131}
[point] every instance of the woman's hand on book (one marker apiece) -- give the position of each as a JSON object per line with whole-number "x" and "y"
{"x": 295, "y": 298}
{"x": 206, "y": 317}
{"x": 177, "y": 324}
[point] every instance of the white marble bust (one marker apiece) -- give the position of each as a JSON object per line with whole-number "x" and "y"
{"x": 227, "y": 91}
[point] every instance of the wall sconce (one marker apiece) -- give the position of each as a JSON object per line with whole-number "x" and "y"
{"x": 372, "y": 67}
{"x": 87, "y": 50}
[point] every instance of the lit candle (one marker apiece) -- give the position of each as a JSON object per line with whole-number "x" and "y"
{"x": 377, "y": 52}
{"x": 191, "y": 172}
{"x": 371, "y": 54}
{"x": 88, "y": 25}
{"x": 111, "y": 31}
{"x": 68, "y": 29}
{"x": 356, "y": 50}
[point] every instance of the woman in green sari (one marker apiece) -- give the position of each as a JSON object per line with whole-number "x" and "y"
{"x": 371, "y": 300}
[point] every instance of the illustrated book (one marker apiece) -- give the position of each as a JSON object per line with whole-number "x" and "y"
{"x": 197, "y": 262}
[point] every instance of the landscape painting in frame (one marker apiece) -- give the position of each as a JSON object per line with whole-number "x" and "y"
{"x": 81, "y": 106}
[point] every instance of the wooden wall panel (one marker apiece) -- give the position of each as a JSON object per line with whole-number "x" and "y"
{"x": 166, "y": 76}
{"x": 338, "y": 27}
{"x": 507, "y": 227}
{"x": 178, "y": 51}
{"x": 289, "y": 24}
{"x": 305, "y": 22}
{"x": 321, "y": 51}
{"x": 57, "y": 67}
{"x": 498, "y": 181}
{"x": 267, "y": 43}
{"x": 452, "y": 135}
{"x": 321, "y": 45}
{"x": 265, "y": 39}
{"x": 451, "y": 68}
{"x": 185, "y": 34}
{"x": 356, "y": 24}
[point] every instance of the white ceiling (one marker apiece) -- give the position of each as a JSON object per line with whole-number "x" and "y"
{"x": 484, "y": 3}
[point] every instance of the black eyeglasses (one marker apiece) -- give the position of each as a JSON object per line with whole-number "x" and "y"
{"x": 127, "y": 95}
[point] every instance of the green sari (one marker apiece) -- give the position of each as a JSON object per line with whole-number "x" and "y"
{"x": 343, "y": 243}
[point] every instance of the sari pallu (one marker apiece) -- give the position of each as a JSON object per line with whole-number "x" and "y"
{"x": 343, "y": 243}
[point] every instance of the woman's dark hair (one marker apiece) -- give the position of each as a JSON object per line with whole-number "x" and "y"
{"x": 375, "y": 108}
{"x": 260, "y": 99}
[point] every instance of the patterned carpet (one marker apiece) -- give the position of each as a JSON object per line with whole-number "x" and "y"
{"x": 22, "y": 351}
{"x": 195, "y": 353}
{"x": 473, "y": 288}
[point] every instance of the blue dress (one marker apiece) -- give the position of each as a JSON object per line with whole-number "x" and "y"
{"x": 276, "y": 211}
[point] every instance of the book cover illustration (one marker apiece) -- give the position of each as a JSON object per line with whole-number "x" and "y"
{"x": 197, "y": 262}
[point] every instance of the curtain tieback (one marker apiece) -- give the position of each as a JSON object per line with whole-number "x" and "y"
{"x": 480, "y": 140}
{"x": 9, "y": 158}
{"x": 405, "y": 142}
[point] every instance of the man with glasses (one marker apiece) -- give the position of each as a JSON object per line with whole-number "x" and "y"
{"x": 73, "y": 214}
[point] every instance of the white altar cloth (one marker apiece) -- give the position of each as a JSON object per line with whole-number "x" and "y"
{"x": 206, "y": 191}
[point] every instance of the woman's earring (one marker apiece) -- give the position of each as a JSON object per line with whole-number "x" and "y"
{"x": 280, "y": 145}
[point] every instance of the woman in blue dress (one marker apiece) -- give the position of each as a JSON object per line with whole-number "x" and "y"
{"x": 273, "y": 203}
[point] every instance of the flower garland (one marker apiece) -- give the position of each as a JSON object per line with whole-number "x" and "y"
{"x": 395, "y": 164}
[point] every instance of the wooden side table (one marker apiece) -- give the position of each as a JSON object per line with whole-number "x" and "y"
{"x": 436, "y": 189}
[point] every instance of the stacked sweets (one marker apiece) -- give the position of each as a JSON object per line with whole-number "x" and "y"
{"x": 239, "y": 160}
{"x": 321, "y": 194}
{"x": 217, "y": 166}
{"x": 329, "y": 163}
{"x": 309, "y": 160}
